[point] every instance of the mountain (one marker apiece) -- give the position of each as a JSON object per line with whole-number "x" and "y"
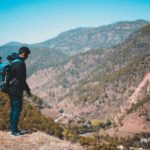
{"x": 83, "y": 39}
{"x": 13, "y": 43}
{"x": 40, "y": 58}
{"x": 98, "y": 83}
{"x": 57, "y": 51}
{"x": 43, "y": 57}
{"x": 9, "y": 48}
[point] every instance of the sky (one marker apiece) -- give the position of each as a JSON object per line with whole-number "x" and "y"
{"x": 33, "y": 21}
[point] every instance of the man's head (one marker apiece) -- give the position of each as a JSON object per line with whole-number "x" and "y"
{"x": 24, "y": 52}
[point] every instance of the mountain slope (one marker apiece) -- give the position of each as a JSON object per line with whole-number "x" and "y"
{"x": 83, "y": 39}
{"x": 40, "y": 58}
{"x": 102, "y": 83}
{"x": 135, "y": 122}
{"x": 43, "y": 57}
{"x": 55, "y": 51}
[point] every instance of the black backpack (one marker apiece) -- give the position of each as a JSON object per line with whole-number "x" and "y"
{"x": 7, "y": 75}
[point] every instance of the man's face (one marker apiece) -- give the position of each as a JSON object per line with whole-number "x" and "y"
{"x": 24, "y": 55}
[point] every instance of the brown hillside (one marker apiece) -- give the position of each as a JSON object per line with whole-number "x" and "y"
{"x": 96, "y": 84}
{"x": 34, "y": 141}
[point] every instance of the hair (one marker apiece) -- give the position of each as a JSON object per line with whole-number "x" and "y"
{"x": 24, "y": 50}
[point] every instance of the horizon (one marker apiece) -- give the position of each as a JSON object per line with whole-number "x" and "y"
{"x": 71, "y": 29}
{"x": 37, "y": 21}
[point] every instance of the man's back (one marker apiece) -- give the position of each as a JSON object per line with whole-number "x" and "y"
{"x": 18, "y": 71}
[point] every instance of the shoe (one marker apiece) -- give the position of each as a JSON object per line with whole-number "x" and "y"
{"x": 17, "y": 133}
{"x": 22, "y": 131}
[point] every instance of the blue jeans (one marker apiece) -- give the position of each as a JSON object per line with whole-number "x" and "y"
{"x": 16, "y": 107}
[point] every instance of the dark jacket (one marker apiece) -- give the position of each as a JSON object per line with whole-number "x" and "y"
{"x": 18, "y": 82}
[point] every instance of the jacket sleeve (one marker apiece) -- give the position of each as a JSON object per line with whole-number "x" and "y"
{"x": 26, "y": 87}
{"x": 20, "y": 74}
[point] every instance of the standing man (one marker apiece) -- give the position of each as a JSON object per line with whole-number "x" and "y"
{"x": 16, "y": 87}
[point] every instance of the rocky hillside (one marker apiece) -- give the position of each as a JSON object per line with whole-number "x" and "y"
{"x": 96, "y": 81}
{"x": 131, "y": 126}
{"x": 35, "y": 141}
{"x": 55, "y": 51}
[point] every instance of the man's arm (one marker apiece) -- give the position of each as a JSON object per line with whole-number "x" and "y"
{"x": 27, "y": 89}
{"x": 20, "y": 74}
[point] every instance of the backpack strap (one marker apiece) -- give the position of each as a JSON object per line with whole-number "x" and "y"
{"x": 17, "y": 60}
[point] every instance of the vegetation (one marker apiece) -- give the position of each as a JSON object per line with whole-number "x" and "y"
{"x": 89, "y": 127}
{"x": 145, "y": 30}
{"x": 115, "y": 87}
{"x": 46, "y": 58}
{"x": 135, "y": 107}
{"x": 98, "y": 142}
{"x": 31, "y": 119}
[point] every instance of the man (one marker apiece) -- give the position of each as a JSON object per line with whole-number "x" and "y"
{"x": 16, "y": 87}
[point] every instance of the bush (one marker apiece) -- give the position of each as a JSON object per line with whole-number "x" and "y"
{"x": 30, "y": 119}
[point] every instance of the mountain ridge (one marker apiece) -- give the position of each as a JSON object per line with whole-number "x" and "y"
{"x": 73, "y": 42}
{"x": 97, "y": 37}
{"x": 109, "y": 84}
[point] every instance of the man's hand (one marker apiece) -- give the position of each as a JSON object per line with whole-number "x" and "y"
{"x": 29, "y": 93}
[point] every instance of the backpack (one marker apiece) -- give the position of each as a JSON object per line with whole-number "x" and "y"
{"x": 7, "y": 74}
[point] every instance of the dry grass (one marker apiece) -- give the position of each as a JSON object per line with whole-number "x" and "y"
{"x": 34, "y": 141}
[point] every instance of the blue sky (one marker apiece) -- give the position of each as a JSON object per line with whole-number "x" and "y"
{"x": 32, "y": 21}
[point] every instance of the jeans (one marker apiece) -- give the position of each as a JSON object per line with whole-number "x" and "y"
{"x": 16, "y": 107}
